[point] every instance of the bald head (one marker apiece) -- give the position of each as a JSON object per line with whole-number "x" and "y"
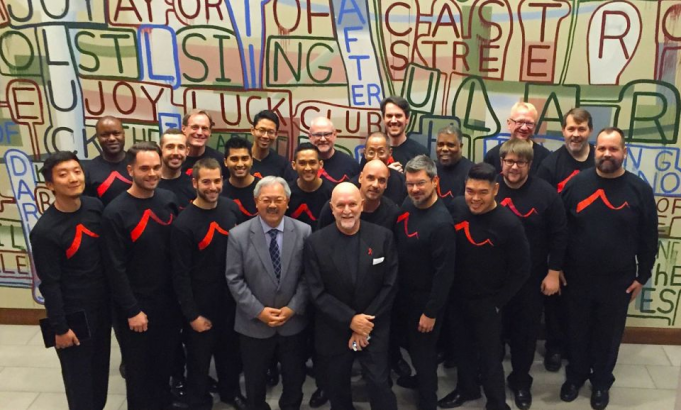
{"x": 346, "y": 205}
{"x": 323, "y": 136}
{"x": 377, "y": 147}
{"x": 373, "y": 180}
{"x": 111, "y": 137}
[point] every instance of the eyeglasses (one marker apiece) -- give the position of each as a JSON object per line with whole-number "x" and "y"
{"x": 419, "y": 184}
{"x": 263, "y": 131}
{"x": 528, "y": 124}
{"x": 326, "y": 135}
{"x": 268, "y": 201}
{"x": 510, "y": 163}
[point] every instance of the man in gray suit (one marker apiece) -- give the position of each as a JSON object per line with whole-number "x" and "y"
{"x": 265, "y": 275}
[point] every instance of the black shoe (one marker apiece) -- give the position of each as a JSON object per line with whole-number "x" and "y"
{"x": 272, "y": 376}
{"x": 212, "y": 385}
{"x": 318, "y": 398}
{"x": 441, "y": 357}
{"x": 238, "y": 402}
{"x": 408, "y": 382}
{"x": 569, "y": 391}
{"x": 178, "y": 387}
{"x": 121, "y": 370}
{"x": 553, "y": 361}
{"x": 599, "y": 399}
{"x": 449, "y": 363}
{"x": 455, "y": 399}
{"x": 402, "y": 368}
{"x": 523, "y": 398}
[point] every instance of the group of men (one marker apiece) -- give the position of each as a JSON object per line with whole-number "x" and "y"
{"x": 259, "y": 263}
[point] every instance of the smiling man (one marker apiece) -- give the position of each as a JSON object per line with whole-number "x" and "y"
{"x": 241, "y": 183}
{"x": 136, "y": 228}
{"x": 174, "y": 152}
{"x": 338, "y": 166}
{"x": 612, "y": 220}
{"x": 309, "y": 192}
{"x": 106, "y": 175}
{"x": 452, "y": 166}
{"x": 395, "y": 111}
{"x": 492, "y": 263}
{"x": 197, "y": 125}
{"x": 66, "y": 251}
{"x": 522, "y": 124}
{"x": 266, "y": 161}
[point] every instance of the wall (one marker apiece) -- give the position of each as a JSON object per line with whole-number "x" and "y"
{"x": 65, "y": 63}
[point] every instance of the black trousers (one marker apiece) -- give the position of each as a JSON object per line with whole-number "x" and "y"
{"x": 521, "y": 321}
{"x": 221, "y": 342}
{"x": 85, "y": 368}
{"x": 597, "y": 315}
{"x": 556, "y": 323}
{"x": 480, "y": 356}
{"x": 257, "y": 356}
{"x": 422, "y": 348}
{"x": 148, "y": 357}
{"x": 337, "y": 371}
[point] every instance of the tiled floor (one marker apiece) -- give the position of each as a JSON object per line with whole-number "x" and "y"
{"x": 647, "y": 379}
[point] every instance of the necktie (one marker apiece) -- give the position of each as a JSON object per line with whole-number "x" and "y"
{"x": 274, "y": 253}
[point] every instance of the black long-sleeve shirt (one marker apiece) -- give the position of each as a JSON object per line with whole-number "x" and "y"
{"x": 453, "y": 179}
{"x": 408, "y": 150}
{"x": 273, "y": 165}
{"x": 67, "y": 256}
{"x": 540, "y": 210}
{"x": 137, "y": 251}
{"x": 182, "y": 188}
{"x": 385, "y": 215}
{"x": 492, "y": 157}
{"x": 307, "y": 206}
{"x": 106, "y": 180}
{"x": 242, "y": 197}
{"x": 198, "y": 241}
{"x": 493, "y": 259}
{"x": 426, "y": 244}
{"x": 559, "y": 167}
{"x": 612, "y": 224}
{"x": 188, "y": 165}
{"x": 341, "y": 167}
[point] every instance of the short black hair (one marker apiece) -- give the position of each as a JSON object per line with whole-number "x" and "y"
{"x": 205, "y": 163}
{"x": 483, "y": 171}
{"x": 266, "y": 115}
{"x": 54, "y": 160}
{"x": 305, "y": 146}
{"x": 237, "y": 143}
{"x": 398, "y": 101}
{"x": 131, "y": 154}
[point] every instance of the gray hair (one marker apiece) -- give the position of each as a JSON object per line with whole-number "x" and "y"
{"x": 421, "y": 163}
{"x": 451, "y": 130}
{"x": 269, "y": 181}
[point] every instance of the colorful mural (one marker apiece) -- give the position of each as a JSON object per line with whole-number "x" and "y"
{"x": 65, "y": 63}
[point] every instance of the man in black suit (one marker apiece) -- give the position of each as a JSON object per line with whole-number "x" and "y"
{"x": 351, "y": 269}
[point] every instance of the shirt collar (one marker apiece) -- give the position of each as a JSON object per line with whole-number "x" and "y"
{"x": 266, "y": 228}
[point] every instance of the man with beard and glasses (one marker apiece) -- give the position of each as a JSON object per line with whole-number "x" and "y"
{"x": 106, "y": 176}
{"x": 377, "y": 146}
{"x": 426, "y": 244}
{"x": 199, "y": 246}
{"x": 452, "y": 166}
{"x": 612, "y": 222}
{"x": 309, "y": 192}
{"x": 265, "y": 277}
{"x": 521, "y": 124}
{"x": 492, "y": 263}
{"x": 197, "y": 125}
{"x": 67, "y": 254}
{"x": 136, "y": 228}
{"x": 266, "y": 161}
{"x": 174, "y": 153}
{"x": 540, "y": 210}
{"x": 241, "y": 183}
{"x": 351, "y": 270}
{"x": 557, "y": 169}
{"x": 338, "y": 166}
{"x": 395, "y": 111}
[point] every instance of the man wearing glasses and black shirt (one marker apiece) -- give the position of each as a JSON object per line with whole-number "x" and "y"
{"x": 338, "y": 166}
{"x": 521, "y": 124}
{"x": 266, "y": 161}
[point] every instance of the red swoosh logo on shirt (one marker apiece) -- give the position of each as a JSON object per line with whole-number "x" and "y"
{"x": 114, "y": 175}
{"x": 508, "y": 203}
{"x": 561, "y": 185}
{"x": 142, "y": 225}
{"x": 599, "y": 193}
{"x": 467, "y": 230}
{"x": 405, "y": 217}
{"x": 322, "y": 173}
{"x": 78, "y": 239}
{"x": 205, "y": 242}
{"x": 189, "y": 171}
{"x": 243, "y": 209}
{"x": 257, "y": 175}
{"x": 440, "y": 194}
{"x": 303, "y": 208}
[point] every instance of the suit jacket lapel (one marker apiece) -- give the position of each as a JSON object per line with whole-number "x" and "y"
{"x": 259, "y": 243}
{"x": 288, "y": 242}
